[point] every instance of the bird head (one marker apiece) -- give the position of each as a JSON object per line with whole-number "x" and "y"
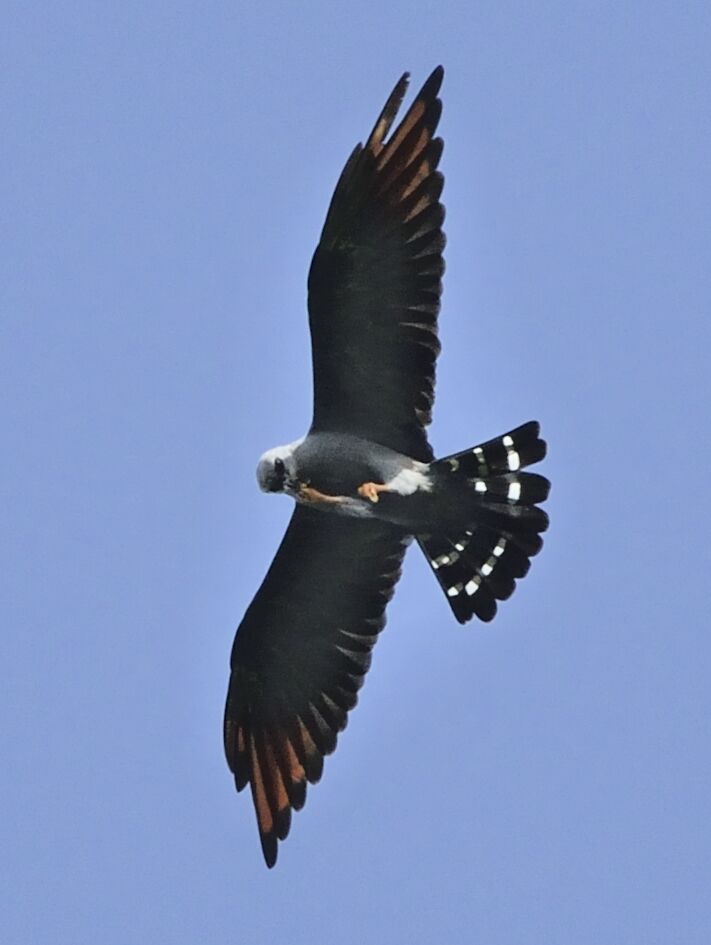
{"x": 276, "y": 470}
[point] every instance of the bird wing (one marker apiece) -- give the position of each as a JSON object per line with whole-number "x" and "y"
{"x": 375, "y": 283}
{"x": 300, "y": 657}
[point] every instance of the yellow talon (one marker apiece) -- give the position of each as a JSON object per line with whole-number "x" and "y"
{"x": 370, "y": 490}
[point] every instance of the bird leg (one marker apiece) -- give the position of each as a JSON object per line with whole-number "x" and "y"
{"x": 309, "y": 494}
{"x": 371, "y": 490}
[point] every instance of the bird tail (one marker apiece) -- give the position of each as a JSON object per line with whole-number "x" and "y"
{"x": 478, "y": 561}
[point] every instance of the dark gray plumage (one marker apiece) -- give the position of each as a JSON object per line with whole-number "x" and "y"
{"x": 364, "y": 478}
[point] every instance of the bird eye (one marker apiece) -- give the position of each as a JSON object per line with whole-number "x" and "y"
{"x": 279, "y": 468}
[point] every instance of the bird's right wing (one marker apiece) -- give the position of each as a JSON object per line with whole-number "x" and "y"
{"x": 300, "y": 656}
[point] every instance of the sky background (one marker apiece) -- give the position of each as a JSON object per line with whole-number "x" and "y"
{"x": 166, "y": 168}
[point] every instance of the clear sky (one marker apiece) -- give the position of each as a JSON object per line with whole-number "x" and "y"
{"x": 166, "y": 168}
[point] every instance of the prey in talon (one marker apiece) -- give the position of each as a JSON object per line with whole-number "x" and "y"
{"x": 307, "y": 493}
{"x": 345, "y": 474}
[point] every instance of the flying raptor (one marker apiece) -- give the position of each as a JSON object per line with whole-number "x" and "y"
{"x": 364, "y": 478}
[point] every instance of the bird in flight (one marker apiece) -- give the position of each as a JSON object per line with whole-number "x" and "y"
{"x": 364, "y": 478}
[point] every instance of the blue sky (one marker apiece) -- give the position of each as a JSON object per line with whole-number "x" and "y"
{"x": 166, "y": 171}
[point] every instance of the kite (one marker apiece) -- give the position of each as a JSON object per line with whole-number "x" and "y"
{"x": 364, "y": 479}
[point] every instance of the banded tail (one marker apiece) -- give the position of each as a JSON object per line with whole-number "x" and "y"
{"x": 479, "y": 563}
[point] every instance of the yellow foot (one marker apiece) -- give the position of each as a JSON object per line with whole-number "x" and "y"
{"x": 309, "y": 494}
{"x": 371, "y": 490}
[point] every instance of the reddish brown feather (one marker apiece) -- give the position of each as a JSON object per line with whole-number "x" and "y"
{"x": 293, "y": 773}
{"x": 259, "y": 794}
{"x": 274, "y": 787}
{"x": 311, "y": 757}
{"x": 415, "y": 113}
{"x": 406, "y": 185}
{"x": 374, "y": 144}
{"x": 393, "y": 163}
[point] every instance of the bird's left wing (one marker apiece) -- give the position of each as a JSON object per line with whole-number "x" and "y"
{"x": 300, "y": 656}
{"x": 375, "y": 283}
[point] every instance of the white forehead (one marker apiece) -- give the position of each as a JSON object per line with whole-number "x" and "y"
{"x": 280, "y": 452}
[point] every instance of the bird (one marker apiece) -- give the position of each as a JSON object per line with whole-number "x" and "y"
{"x": 364, "y": 479}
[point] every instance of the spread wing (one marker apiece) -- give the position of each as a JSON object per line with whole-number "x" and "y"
{"x": 300, "y": 656}
{"x": 375, "y": 282}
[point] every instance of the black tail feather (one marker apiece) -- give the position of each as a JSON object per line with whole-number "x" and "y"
{"x": 512, "y": 451}
{"x": 479, "y": 563}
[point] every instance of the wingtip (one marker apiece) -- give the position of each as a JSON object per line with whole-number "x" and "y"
{"x": 431, "y": 86}
{"x": 404, "y": 80}
{"x": 428, "y": 92}
{"x": 387, "y": 115}
{"x": 297, "y": 794}
{"x": 269, "y": 848}
{"x": 270, "y": 839}
{"x": 433, "y": 83}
